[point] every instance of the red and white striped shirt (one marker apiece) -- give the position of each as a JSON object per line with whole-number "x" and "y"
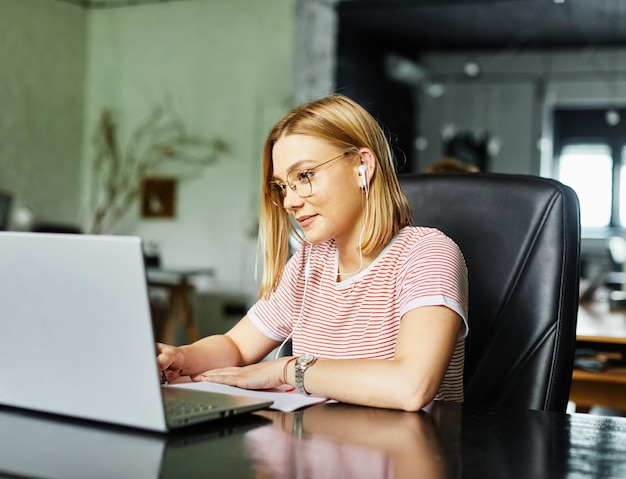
{"x": 359, "y": 318}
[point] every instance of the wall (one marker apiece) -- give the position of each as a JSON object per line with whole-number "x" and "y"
{"x": 225, "y": 67}
{"x": 512, "y": 98}
{"x": 42, "y": 65}
{"x": 315, "y": 44}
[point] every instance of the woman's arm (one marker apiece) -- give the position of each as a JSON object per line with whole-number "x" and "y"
{"x": 425, "y": 345}
{"x": 243, "y": 344}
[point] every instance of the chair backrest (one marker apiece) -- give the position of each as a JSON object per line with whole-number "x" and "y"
{"x": 520, "y": 236}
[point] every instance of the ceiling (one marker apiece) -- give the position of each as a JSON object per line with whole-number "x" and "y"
{"x": 490, "y": 24}
{"x": 471, "y": 24}
{"x": 114, "y": 3}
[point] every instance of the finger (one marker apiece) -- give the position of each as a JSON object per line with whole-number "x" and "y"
{"x": 230, "y": 371}
{"x": 226, "y": 380}
{"x": 163, "y": 362}
{"x": 218, "y": 376}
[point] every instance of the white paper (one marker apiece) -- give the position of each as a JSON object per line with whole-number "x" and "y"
{"x": 285, "y": 398}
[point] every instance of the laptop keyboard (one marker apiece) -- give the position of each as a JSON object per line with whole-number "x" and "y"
{"x": 179, "y": 407}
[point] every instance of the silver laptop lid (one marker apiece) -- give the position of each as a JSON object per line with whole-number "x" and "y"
{"x": 76, "y": 334}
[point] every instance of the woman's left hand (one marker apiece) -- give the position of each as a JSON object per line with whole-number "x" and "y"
{"x": 263, "y": 375}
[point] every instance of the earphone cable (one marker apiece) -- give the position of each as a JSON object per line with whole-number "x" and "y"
{"x": 307, "y": 272}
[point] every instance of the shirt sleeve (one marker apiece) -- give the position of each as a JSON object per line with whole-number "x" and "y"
{"x": 434, "y": 274}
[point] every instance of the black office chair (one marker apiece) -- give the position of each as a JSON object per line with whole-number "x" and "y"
{"x": 520, "y": 236}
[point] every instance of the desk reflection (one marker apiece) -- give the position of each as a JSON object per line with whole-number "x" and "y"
{"x": 339, "y": 440}
{"x": 324, "y": 441}
{"x": 446, "y": 441}
{"x": 46, "y": 446}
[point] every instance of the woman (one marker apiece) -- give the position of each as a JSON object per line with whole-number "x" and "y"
{"x": 364, "y": 285}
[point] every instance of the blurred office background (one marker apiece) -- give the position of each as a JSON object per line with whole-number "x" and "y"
{"x": 516, "y": 86}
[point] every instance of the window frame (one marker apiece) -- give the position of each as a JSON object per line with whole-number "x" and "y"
{"x": 587, "y": 126}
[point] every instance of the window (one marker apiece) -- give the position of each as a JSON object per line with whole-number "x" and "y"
{"x": 588, "y": 170}
{"x": 590, "y": 154}
{"x": 622, "y": 190}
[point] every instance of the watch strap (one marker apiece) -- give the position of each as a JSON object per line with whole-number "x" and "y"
{"x": 300, "y": 369}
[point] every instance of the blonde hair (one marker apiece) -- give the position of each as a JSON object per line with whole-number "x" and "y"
{"x": 348, "y": 126}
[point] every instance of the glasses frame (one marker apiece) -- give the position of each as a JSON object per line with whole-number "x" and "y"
{"x": 281, "y": 186}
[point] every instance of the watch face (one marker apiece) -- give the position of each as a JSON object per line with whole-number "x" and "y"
{"x": 304, "y": 359}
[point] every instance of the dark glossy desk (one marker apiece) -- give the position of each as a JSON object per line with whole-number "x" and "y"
{"x": 327, "y": 441}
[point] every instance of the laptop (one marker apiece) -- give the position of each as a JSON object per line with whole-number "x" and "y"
{"x": 76, "y": 336}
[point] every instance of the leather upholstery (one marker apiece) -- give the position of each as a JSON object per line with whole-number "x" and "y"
{"x": 520, "y": 236}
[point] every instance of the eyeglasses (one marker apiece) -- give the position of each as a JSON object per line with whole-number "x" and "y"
{"x": 298, "y": 180}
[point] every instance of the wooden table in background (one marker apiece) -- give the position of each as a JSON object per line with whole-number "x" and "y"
{"x": 602, "y": 329}
{"x": 179, "y": 308}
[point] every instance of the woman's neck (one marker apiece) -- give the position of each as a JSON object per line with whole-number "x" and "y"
{"x": 353, "y": 262}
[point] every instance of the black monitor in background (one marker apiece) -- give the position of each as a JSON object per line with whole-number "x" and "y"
{"x": 5, "y": 209}
{"x": 63, "y": 228}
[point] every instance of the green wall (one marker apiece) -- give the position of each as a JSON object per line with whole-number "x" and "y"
{"x": 42, "y": 95}
{"x": 225, "y": 67}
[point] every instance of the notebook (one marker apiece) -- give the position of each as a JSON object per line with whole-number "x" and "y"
{"x": 76, "y": 335}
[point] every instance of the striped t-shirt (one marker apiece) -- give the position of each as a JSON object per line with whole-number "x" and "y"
{"x": 359, "y": 318}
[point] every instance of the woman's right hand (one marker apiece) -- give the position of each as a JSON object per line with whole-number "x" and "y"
{"x": 170, "y": 360}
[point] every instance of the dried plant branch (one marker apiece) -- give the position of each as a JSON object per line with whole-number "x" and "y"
{"x": 159, "y": 141}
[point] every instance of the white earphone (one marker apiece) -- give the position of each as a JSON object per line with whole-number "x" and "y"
{"x": 362, "y": 170}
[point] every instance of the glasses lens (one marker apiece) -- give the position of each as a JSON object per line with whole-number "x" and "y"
{"x": 300, "y": 181}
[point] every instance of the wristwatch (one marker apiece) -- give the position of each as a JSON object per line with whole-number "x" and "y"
{"x": 302, "y": 364}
